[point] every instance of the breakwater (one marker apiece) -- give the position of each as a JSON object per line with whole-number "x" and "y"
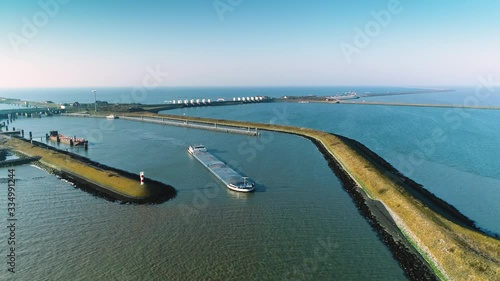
{"x": 110, "y": 183}
{"x": 452, "y": 247}
{"x": 414, "y": 265}
{"x": 421, "y": 105}
{"x": 363, "y": 102}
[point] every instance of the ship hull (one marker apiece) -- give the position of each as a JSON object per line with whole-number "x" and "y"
{"x": 221, "y": 171}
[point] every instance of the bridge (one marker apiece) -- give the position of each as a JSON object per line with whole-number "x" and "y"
{"x": 28, "y": 111}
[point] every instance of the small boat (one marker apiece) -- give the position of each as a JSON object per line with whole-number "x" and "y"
{"x": 111, "y": 116}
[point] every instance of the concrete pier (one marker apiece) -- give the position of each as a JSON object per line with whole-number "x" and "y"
{"x": 195, "y": 125}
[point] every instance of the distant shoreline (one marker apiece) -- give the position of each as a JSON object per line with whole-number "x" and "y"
{"x": 415, "y": 224}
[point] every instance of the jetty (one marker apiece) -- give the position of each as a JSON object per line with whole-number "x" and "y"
{"x": 421, "y": 105}
{"x": 413, "y": 223}
{"x": 107, "y": 182}
{"x": 363, "y": 102}
{"x": 424, "y": 232}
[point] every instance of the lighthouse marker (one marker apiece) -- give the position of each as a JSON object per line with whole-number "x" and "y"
{"x": 142, "y": 178}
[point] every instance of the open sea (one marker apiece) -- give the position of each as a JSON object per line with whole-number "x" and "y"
{"x": 298, "y": 225}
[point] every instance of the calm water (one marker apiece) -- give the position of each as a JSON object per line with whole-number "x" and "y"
{"x": 471, "y": 96}
{"x": 299, "y": 225}
{"x": 452, "y": 152}
{"x": 299, "y": 210}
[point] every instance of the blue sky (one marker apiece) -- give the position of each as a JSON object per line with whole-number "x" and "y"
{"x": 254, "y": 43}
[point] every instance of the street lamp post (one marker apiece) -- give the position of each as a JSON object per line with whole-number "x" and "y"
{"x": 95, "y": 102}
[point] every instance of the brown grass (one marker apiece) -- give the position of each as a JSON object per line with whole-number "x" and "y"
{"x": 61, "y": 162}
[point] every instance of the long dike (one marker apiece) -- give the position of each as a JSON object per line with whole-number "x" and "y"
{"x": 110, "y": 183}
{"x": 421, "y": 104}
{"x": 430, "y": 238}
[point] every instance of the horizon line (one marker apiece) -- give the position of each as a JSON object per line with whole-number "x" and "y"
{"x": 243, "y": 86}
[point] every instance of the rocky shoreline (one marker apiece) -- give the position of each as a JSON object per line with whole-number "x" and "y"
{"x": 414, "y": 265}
{"x": 415, "y": 189}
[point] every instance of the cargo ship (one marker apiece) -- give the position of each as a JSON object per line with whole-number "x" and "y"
{"x": 72, "y": 141}
{"x": 219, "y": 169}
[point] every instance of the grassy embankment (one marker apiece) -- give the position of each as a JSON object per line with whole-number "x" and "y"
{"x": 454, "y": 251}
{"x": 115, "y": 184}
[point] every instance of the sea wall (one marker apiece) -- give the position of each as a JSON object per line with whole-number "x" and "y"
{"x": 415, "y": 267}
{"x": 446, "y": 239}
